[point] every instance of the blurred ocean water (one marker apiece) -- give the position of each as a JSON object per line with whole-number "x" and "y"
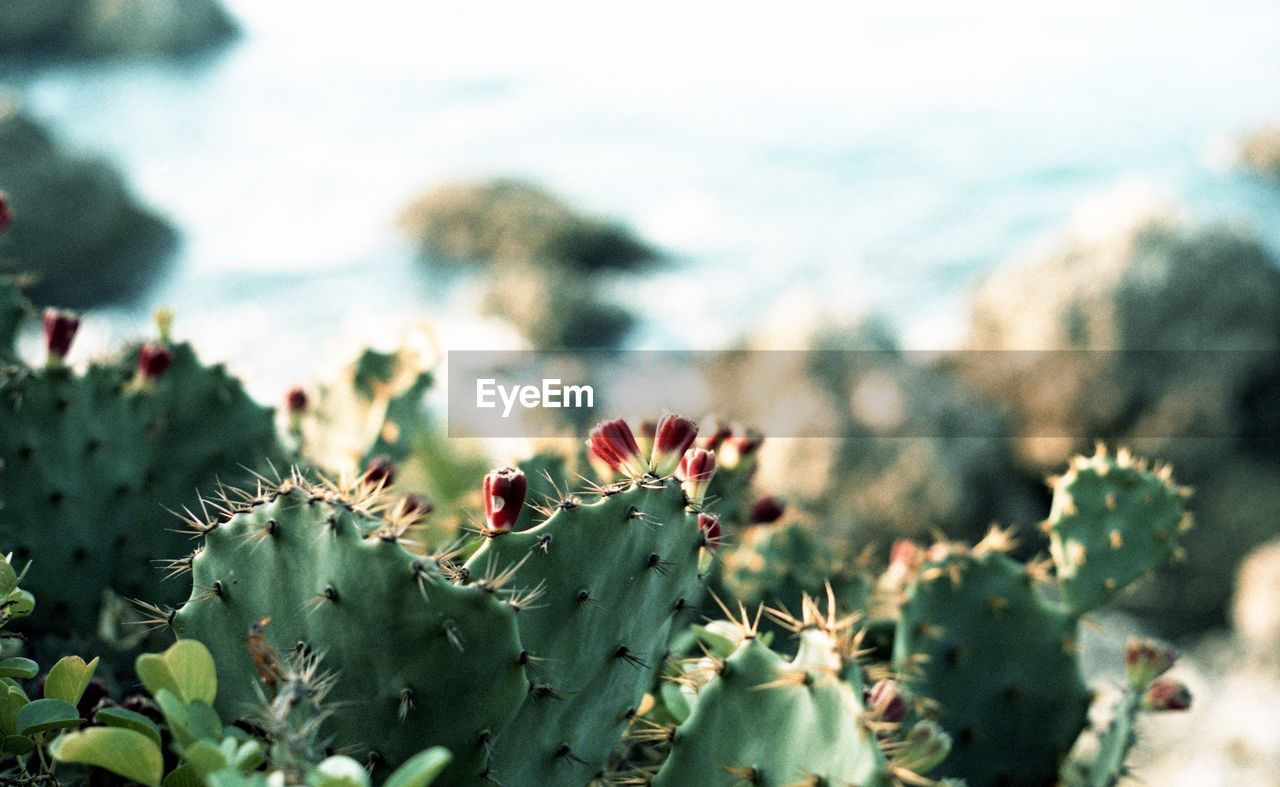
{"x": 877, "y": 155}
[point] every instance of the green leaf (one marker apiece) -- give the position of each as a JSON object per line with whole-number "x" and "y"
{"x": 16, "y": 744}
{"x": 186, "y": 669}
{"x": 183, "y": 776}
{"x": 175, "y": 715}
{"x": 8, "y": 577}
{"x": 125, "y": 753}
{"x": 339, "y": 771}
{"x": 205, "y": 756}
{"x": 421, "y": 769}
{"x": 69, "y": 678}
{"x": 11, "y": 701}
{"x": 248, "y": 756}
{"x": 129, "y": 720}
{"x": 41, "y": 715}
{"x": 18, "y": 668}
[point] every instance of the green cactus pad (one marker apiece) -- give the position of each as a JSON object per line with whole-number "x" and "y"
{"x": 614, "y": 574}
{"x": 777, "y": 565}
{"x": 762, "y": 720}
{"x": 420, "y": 660}
{"x": 999, "y": 664}
{"x": 1112, "y": 522}
{"x": 202, "y": 429}
{"x": 72, "y": 458}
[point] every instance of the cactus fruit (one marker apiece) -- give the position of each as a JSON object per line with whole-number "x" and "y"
{"x": 407, "y": 642}
{"x": 1145, "y": 690}
{"x": 613, "y": 575}
{"x": 976, "y": 638}
{"x": 1112, "y": 521}
{"x": 759, "y": 719}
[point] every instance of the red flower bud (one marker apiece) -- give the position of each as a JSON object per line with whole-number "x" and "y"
{"x": 696, "y": 469}
{"x": 716, "y": 436}
{"x": 413, "y": 504}
{"x": 60, "y": 328}
{"x": 153, "y": 360}
{"x": 711, "y": 531}
{"x": 1167, "y": 694}
{"x": 295, "y": 400}
{"x": 766, "y": 510}
{"x": 613, "y": 442}
{"x": 887, "y": 701}
{"x": 6, "y": 212}
{"x": 672, "y": 437}
{"x": 504, "y": 492}
{"x": 1144, "y": 661}
{"x": 746, "y": 445}
{"x": 380, "y": 471}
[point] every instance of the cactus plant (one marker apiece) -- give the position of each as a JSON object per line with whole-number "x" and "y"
{"x": 406, "y": 638}
{"x": 90, "y": 461}
{"x": 997, "y": 659}
{"x": 613, "y": 576}
{"x": 758, "y": 718}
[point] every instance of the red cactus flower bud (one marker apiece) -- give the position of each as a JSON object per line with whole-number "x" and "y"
{"x": 711, "y": 530}
{"x": 380, "y": 471}
{"x": 766, "y": 510}
{"x": 154, "y": 360}
{"x": 414, "y": 504}
{"x": 295, "y": 400}
{"x": 716, "y": 436}
{"x": 504, "y": 492}
{"x": 6, "y": 212}
{"x": 1144, "y": 661}
{"x": 1167, "y": 694}
{"x": 696, "y": 469}
{"x": 672, "y": 437}
{"x": 747, "y": 444}
{"x": 887, "y": 701}
{"x": 60, "y": 328}
{"x": 613, "y": 442}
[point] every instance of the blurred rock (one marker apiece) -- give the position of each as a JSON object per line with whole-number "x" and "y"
{"x": 1255, "y": 611}
{"x": 909, "y": 452}
{"x": 94, "y": 28}
{"x": 76, "y": 228}
{"x": 555, "y": 309}
{"x": 1260, "y": 151}
{"x": 1080, "y": 316}
{"x": 511, "y": 221}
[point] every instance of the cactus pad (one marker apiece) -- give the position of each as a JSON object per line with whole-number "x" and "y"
{"x": 1112, "y": 522}
{"x": 614, "y": 574}
{"x": 759, "y": 719}
{"x": 420, "y": 660}
{"x": 998, "y": 662}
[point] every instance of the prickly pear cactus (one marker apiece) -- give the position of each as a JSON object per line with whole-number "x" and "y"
{"x": 997, "y": 661}
{"x": 202, "y": 428}
{"x": 91, "y": 463}
{"x": 760, "y": 719}
{"x": 1112, "y": 522}
{"x": 73, "y": 456}
{"x": 614, "y": 573}
{"x": 374, "y": 408}
{"x": 779, "y": 564}
{"x": 612, "y": 576}
{"x": 420, "y": 659}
